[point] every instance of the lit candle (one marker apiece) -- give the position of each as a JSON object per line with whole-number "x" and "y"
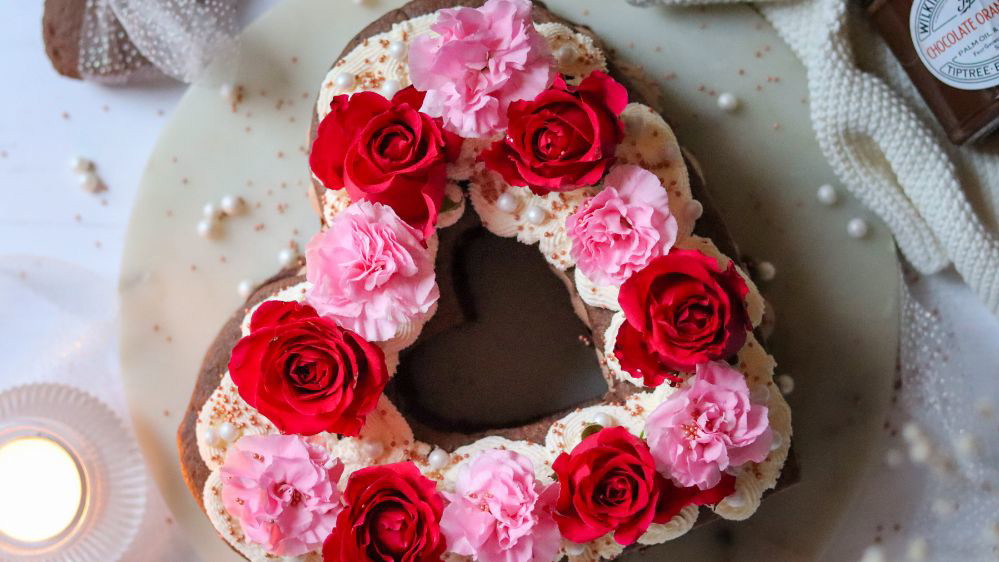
{"x": 41, "y": 489}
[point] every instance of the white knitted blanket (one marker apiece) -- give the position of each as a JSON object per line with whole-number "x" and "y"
{"x": 884, "y": 144}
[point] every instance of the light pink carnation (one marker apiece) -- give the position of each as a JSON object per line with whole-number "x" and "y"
{"x": 370, "y": 271}
{"x": 480, "y": 61}
{"x": 282, "y": 491}
{"x": 500, "y": 512}
{"x": 621, "y": 229}
{"x": 707, "y": 426}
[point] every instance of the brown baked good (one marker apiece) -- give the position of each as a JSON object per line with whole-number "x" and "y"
{"x": 453, "y": 310}
{"x": 62, "y": 23}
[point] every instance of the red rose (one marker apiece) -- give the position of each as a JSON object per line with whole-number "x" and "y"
{"x": 391, "y": 513}
{"x": 564, "y": 138}
{"x": 609, "y": 483}
{"x": 305, "y": 373}
{"x": 682, "y": 310}
{"x": 386, "y": 152}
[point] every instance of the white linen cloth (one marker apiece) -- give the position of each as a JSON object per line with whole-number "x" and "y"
{"x": 884, "y": 144}
{"x": 66, "y": 332}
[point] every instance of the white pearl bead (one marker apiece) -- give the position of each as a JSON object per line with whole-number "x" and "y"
{"x": 728, "y": 102}
{"x": 228, "y": 432}
{"x": 344, "y": 80}
{"x": 694, "y": 210}
{"x": 245, "y": 288}
{"x": 766, "y": 271}
{"x": 287, "y": 256}
{"x": 873, "y": 553}
{"x": 207, "y": 228}
{"x": 232, "y": 205}
{"x": 778, "y": 440}
{"x": 918, "y": 550}
{"x": 786, "y": 384}
{"x": 911, "y": 432}
{"x": 209, "y": 211}
{"x": 397, "y": 50}
{"x": 857, "y": 228}
{"x": 536, "y": 215}
{"x": 438, "y": 459}
{"x": 390, "y": 87}
{"x": 372, "y": 449}
{"x": 211, "y": 436}
{"x": 893, "y": 457}
{"x": 603, "y": 419}
{"x": 565, "y": 55}
{"x": 506, "y": 203}
{"x": 827, "y": 195}
{"x": 920, "y": 451}
{"x": 80, "y": 165}
{"x": 574, "y": 548}
{"x": 89, "y": 182}
{"x": 735, "y": 501}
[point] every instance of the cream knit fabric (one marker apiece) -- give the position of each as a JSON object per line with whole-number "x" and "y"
{"x": 884, "y": 145}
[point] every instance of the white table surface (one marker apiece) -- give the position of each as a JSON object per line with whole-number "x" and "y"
{"x": 46, "y": 120}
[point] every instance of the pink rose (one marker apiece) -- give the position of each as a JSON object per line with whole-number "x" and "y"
{"x": 282, "y": 491}
{"x": 480, "y": 60}
{"x": 623, "y": 228}
{"x": 370, "y": 272}
{"x": 500, "y": 512}
{"x": 707, "y": 426}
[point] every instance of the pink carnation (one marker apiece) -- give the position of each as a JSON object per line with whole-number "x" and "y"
{"x": 707, "y": 426}
{"x": 480, "y": 60}
{"x": 282, "y": 491}
{"x": 370, "y": 271}
{"x": 500, "y": 512}
{"x": 621, "y": 229}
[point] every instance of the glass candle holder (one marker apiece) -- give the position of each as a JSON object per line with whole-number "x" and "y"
{"x": 72, "y": 482}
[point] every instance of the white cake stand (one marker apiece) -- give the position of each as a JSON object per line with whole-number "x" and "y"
{"x": 836, "y": 298}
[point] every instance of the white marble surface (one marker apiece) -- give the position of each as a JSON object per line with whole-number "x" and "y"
{"x": 46, "y": 120}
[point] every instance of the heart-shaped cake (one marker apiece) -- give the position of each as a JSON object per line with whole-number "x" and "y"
{"x": 447, "y": 119}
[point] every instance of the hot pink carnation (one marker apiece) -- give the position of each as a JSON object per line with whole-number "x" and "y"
{"x": 707, "y": 426}
{"x": 282, "y": 491}
{"x": 370, "y": 272}
{"x": 480, "y": 60}
{"x": 500, "y": 512}
{"x": 621, "y": 229}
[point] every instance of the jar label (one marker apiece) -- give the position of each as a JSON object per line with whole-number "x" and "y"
{"x": 958, "y": 41}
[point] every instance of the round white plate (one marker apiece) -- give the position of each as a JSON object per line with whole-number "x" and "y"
{"x": 836, "y": 297}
